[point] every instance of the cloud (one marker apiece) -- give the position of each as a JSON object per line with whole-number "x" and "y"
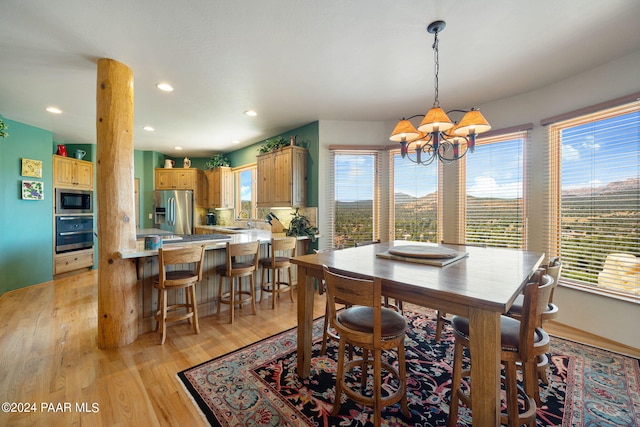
{"x": 486, "y": 186}
{"x": 570, "y": 153}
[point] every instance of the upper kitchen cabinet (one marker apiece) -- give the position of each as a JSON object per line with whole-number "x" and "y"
{"x": 183, "y": 179}
{"x": 282, "y": 178}
{"x": 72, "y": 173}
{"x": 220, "y": 182}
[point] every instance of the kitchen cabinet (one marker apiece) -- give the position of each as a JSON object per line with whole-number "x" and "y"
{"x": 72, "y": 173}
{"x": 183, "y": 179}
{"x": 76, "y": 260}
{"x": 282, "y": 178}
{"x": 220, "y": 183}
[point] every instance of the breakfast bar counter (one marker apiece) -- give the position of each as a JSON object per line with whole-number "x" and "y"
{"x": 146, "y": 261}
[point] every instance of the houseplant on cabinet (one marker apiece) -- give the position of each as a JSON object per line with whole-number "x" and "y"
{"x": 217, "y": 161}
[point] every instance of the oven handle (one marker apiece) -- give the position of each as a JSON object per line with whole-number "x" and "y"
{"x": 69, "y": 233}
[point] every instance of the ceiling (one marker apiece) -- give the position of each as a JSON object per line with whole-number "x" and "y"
{"x": 292, "y": 61}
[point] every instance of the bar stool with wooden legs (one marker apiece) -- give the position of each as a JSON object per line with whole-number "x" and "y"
{"x": 374, "y": 329}
{"x": 241, "y": 261}
{"x": 521, "y": 341}
{"x": 553, "y": 269}
{"x": 282, "y": 250}
{"x": 179, "y": 278}
{"x": 327, "y": 332}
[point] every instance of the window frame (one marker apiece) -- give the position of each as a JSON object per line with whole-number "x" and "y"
{"x": 556, "y": 125}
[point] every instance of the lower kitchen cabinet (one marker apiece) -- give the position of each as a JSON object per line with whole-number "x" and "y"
{"x": 70, "y": 261}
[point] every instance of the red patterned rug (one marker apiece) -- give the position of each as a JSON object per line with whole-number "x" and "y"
{"x": 258, "y": 385}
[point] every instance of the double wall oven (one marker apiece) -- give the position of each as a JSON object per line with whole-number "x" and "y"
{"x": 74, "y": 220}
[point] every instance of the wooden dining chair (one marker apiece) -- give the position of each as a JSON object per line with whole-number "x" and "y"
{"x": 374, "y": 329}
{"x": 241, "y": 262}
{"x": 282, "y": 250}
{"x": 173, "y": 275}
{"x": 521, "y": 342}
{"x": 553, "y": 269}
{"x": 327, "y": 332}
{"x": 397, "y": 304}
{"x": 441, "y": 316}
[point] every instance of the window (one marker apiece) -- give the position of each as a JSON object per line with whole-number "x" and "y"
{"x": 414, "y": 213}
{"x": 494, "y": 192}
{"x": 596, "y": 196}
{"x": 354, "y": 197}
{"x": 245, "y": 183}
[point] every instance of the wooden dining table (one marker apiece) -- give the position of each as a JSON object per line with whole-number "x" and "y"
{"x": 480, "y": 286}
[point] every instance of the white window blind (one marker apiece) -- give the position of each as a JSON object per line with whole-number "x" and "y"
{"x": 415, "y": 194}
{"x": 595, "y": 187}
{"x": 354, "y": 198}
{"x": 495, "y": 192}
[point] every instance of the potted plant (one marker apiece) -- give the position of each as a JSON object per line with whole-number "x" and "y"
{"x": 217, "y": 161}
{"x": 301, "y": 226}
{"x": 273, "y": 144}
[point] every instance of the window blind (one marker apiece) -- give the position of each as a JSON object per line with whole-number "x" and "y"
{"x": 354, "y": 196}
{"x": 595, "y": 194}
{"x": 414, "y": 214}
{"x": 495, "y": 192}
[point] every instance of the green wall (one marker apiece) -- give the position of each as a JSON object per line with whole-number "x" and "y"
{"x": 26, "y": 247}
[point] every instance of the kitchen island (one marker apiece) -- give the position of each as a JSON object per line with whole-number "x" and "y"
{"x": 207, "y": 291}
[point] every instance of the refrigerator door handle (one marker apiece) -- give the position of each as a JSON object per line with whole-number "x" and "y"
{"x": 171, "y": 220}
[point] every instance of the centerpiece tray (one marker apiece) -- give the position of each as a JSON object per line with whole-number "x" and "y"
{"x": 423, "y": 254}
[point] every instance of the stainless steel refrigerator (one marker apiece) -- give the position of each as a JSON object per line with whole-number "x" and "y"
{"x": 173, "y": 211}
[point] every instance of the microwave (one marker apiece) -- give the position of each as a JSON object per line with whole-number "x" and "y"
{"x": 70, "y": 201}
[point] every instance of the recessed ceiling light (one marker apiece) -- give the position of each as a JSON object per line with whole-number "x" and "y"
{"x": 178, "y": 148}
{"x": 166, "y": 87}
{"x": 251, "y": 113}
{"x": 148, "y": 128}
{"x": 54, "y": 110}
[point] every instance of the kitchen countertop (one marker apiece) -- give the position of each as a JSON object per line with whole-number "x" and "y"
{"x": 263, "y": 236}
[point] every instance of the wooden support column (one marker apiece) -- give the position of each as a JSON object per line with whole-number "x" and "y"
{"x": 117, "y": 295}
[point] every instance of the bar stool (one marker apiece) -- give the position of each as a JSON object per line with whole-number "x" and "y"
{"x": 375, "y": 329}
{"x": 178, "y": 279}
{"x": 282, "y": 250}
{"x": 237, "y": 269}
{"x": 521, "y": 342}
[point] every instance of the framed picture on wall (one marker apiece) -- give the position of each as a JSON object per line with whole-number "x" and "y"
{"x": 32, "y": 168}
{"x": 32, "y": 190}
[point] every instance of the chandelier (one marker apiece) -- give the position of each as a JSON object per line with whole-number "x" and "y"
{"x": 437, "y": 137}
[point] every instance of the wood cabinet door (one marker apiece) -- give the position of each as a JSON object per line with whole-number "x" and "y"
{"x": 184, "y": 179}
{"x": 62, "y": 172}
{"x": 227, "y": 185}
{"x": 265, "y": 174}
{"x": 299, "y": 178}
{"x": 83, "y": 173}
{"x": 282, "y": 178}
{"x": 163, "y": 179}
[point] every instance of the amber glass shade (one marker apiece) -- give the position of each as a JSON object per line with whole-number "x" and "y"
{"x": 435, "y": 120}
{"x": 472, "y": 123}
{"x": 404, "y": 131}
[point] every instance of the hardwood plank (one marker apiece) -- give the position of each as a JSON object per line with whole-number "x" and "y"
{"x": 49, "y": 353}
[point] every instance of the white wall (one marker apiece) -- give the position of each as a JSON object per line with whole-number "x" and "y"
{"x": 603, "y": 316}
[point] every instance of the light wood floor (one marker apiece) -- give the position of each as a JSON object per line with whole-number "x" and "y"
{"x": 49, "y": 357}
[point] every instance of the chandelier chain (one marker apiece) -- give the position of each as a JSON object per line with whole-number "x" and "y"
{"x": 436, "y": 61}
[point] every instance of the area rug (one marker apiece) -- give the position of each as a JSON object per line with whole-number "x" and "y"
{"x": 258, "y": 385}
